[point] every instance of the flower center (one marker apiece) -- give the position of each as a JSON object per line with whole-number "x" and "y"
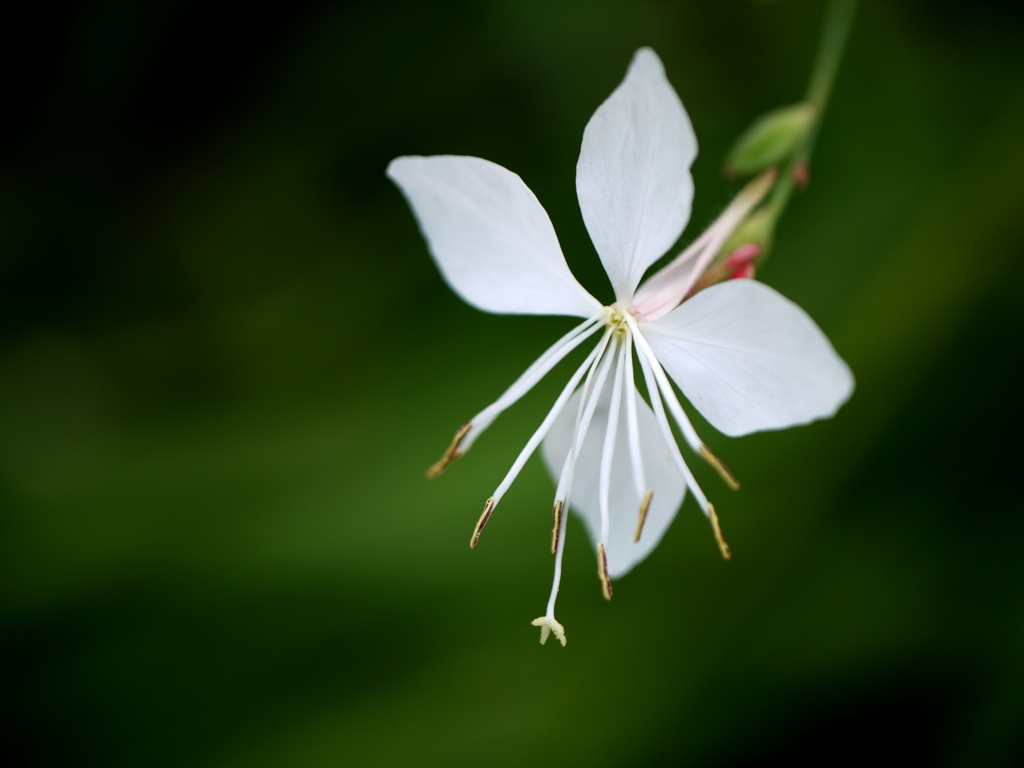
{"x": 615, "y": 319}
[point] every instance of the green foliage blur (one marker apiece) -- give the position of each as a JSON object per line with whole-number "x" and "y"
{"x": 226, "y": 359}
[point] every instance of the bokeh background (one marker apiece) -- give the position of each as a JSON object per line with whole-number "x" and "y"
{"x": 226, "y": 359}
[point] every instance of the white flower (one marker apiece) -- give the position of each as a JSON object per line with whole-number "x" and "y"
{"x": 746, "y": 357}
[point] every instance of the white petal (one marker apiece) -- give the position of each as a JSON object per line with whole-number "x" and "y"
{"x": 750, "y": 359}
{"x": 490, "y": 237}
{"x": 662, "y": 476}
{"x": 633, "y": 176}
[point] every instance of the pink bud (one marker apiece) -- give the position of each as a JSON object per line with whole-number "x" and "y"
{"x": 746, "y": 271}
{"x": 742, "y": 256}
{"x": 741, "y": 261}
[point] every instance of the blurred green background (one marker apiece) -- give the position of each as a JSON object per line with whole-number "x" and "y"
{"x": 226, "y": 359}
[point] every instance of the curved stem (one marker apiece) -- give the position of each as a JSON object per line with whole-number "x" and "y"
{"x": 830, "y": 51}
{"x": 838, "y": 20}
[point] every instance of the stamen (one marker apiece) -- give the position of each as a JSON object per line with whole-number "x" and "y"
{"x": 608, "y": 450}
{"x": 488, "y": 508}
{"x": 632, "y": 424}
{"x": 723, "y": 547}
{"x": 584, "y": 415}
{"x": 556, "y": 525}
{"x": 602, "y": 573}
{"x": 529, "y": 378}
{"x": 689, "y": 433}
{"x": 542, "y": 430}
{"x": 666, "y": 431}
{"x": 644, "y": 506}
{"x": 451, "y": 454}
{"x": 719, "y": 466}
{"x": 548, "y": 625}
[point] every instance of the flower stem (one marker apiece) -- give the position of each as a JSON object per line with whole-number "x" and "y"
{"x": 830, "y": 51}
{"x": 838, "y": 20}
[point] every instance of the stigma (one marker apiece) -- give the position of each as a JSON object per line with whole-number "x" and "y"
{"x": 548, "y": 625}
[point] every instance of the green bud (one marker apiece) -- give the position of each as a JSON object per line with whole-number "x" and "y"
{"x": 771, "y": 139}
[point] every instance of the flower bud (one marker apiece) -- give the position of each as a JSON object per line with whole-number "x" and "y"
{"x": 801, "y": 174}
{"x": 741, "y": 261}
{"x": 759, "y": 228}
{"x": 771, "y": 139}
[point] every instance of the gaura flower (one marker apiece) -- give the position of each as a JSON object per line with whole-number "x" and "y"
{"x": 744, "y": 356}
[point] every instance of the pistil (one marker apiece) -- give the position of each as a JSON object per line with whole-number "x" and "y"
{"x": 589, "y": 396}
{"x": 548, "y": 625}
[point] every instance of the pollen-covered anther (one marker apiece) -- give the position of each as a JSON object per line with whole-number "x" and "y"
{"x": 644, "y": 506}
{"x": 602, "y": 573}
{"x": 719, "y": 466}
{"x": 451, "y": 454}
{"x": 484, "y": 517}
{"x": 556, "y": 524}
{"x": 717, "y": 530}
{"x": 548, "y": 625}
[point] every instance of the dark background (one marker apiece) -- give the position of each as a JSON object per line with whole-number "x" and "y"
{"x": 226, "y": 359}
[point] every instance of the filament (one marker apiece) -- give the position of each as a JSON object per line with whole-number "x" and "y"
{"x": 542, "y": 430}
{"x": 632, "y": 423}
{"x": 608, "y": 451}
{"x": 666, "y": 431}
{"x": 529, "y": 378}
{"x": 689, "y": 433}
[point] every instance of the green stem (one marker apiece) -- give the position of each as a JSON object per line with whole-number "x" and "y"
{"x": 838, "y": 20}
{"x": 830, "y": 51}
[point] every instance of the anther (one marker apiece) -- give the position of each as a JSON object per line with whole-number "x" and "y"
{"x": 484, "y": 517}
{"x": 602, "y": 573}
{"x": 451, "y": 454}
{"x": 719, "y": 466}
{"x": 717, "y": 529}
{"x": 644, "y": 506}
{"x": 556, "y": 525}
